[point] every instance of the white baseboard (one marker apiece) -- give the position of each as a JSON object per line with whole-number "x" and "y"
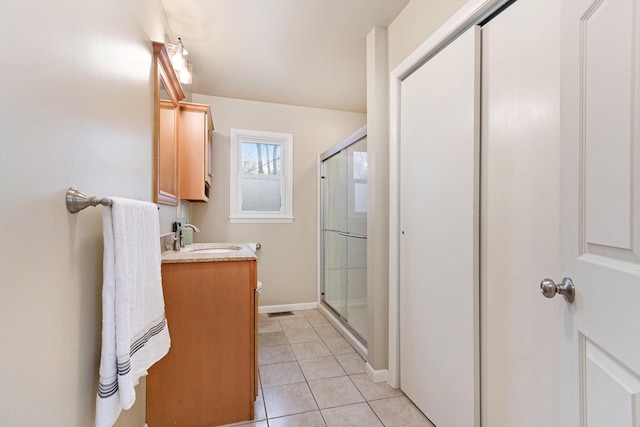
{"x": 287, "y": 307}
{"x": 377, "y": 376}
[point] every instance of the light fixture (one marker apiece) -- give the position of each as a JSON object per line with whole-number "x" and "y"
{"x": 185, "y": 75}
{"x": 179, "y": 59}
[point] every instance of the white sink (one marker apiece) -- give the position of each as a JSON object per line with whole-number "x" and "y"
{"x": 217, "y": 249}
{"x": 213, "y": 251}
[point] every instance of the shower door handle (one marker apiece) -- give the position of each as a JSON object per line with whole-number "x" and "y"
{"x": 357, "y": 236}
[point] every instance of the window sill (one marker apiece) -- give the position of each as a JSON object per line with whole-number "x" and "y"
{"x": 260, "y": 220}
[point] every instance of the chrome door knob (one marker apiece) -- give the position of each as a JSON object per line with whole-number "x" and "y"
{"x": 550, "y": 289}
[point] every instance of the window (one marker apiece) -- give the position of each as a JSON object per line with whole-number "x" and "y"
{"x": 360, "y": 181}
{"x": 261, "y": 177}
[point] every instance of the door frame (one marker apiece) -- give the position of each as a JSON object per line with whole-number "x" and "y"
{"x": 472, "y": 13}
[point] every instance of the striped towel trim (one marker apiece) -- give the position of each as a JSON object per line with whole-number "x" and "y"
{"x": 140, "y": 342}
{"x": 106, "y": 390}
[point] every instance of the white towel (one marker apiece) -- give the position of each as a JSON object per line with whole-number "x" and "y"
{"x": 134, "y": 328}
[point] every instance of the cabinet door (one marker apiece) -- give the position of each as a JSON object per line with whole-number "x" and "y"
{"x": 209, "y": 150}
{"x": 168, "y": 155}
{"x": 195, "y": 151}
{"x": 208, "y": 376}
{"x": 167, "y": 94}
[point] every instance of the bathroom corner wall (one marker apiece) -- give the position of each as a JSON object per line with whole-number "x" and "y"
{"x": 77, "y": 110}
{"x": 287, "y": 262}
{"x": 378, "y": 199}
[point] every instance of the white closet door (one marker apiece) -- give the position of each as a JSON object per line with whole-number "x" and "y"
{"x": 439, "y": 238}
{"x": 519, "y": 215}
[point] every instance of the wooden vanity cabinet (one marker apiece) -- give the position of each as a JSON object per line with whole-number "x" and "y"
{"x": 196, "y": 144}
{"x": 208, "y": 377}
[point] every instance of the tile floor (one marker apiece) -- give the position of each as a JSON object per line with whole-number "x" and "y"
{"x": 310, "y": 376}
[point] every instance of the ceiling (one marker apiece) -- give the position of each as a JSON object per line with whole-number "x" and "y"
{"x": 299, "y": 52}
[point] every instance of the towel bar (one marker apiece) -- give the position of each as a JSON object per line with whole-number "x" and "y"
{"x": 76, "y": 200}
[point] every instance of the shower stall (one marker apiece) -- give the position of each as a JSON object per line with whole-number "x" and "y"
{"x": 343, "y": 232}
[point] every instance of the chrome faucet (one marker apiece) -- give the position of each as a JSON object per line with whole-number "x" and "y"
{"x": 177, "y": 237}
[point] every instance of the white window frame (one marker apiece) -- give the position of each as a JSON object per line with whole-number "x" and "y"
{"x": 236, "y": 214}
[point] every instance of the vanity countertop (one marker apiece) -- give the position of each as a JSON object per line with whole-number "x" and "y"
{"x": 210, "y": 252}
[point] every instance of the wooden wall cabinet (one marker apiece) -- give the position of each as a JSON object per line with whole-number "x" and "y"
{"x": 196, "y": 144}
{"x": 208, "y": 377}
{"x": 167, "y": 95}
{"x": 167, "y": 162}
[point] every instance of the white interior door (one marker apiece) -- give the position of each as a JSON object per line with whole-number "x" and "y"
{"x": 600, "y": 212}
{"x": 439, "y": 165}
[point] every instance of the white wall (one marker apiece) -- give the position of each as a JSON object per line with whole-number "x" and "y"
{"x": 287, "y": 263}
{"x": 77, "y": 110}
{"x": 417, "y": 21}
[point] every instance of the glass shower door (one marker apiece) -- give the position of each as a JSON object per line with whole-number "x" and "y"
{"x": 357, "y": 237}
{"x": 344, "y": 227}
{"x": 334, "y": 207}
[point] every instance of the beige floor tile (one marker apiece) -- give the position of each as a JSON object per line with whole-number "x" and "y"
{"x": 294, "y": 323}
{"x": 268, "y": 339}
{"x": 399, "y": 411}
{"x": 318, "y": 321}
{"x": 312, "y": 313}
{"x": 374, "y": 391}
{"x": 310, "y": 350}
{"x": 259, "y": 413}
{"x": 269, "y": 326}
{"x": 332, "y": 392}
{"x": 247, "y": 424}
{"x": 298, "y": 312}
{"x": 280, "y": 374}
{"x": 308, "y": 419}
{"x": 275, "y": 354}
{"x": 352, "y": 363}
{"x": 322, "y": 367}
{"x": 327, "y": 332}
{"x": 339, "y": 346}
{"x": 288, "y": 399}
{"x": 357, "y": 415}
{"x": 335, "y": 375}
{"x": 301, "y": 335}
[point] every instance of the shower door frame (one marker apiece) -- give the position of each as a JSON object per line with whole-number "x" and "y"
{"x": 342, "y": 145}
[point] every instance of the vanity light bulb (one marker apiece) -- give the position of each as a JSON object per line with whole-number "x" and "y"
{"x": 186, "y": 74}
{"x": 179, "y": 57}
{"x": 178, "y": 60}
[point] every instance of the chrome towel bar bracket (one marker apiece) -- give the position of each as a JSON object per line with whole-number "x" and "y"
{"x": 76, "y": 200}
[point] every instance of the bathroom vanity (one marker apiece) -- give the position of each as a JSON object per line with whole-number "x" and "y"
{"x": 208, "y": 377}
